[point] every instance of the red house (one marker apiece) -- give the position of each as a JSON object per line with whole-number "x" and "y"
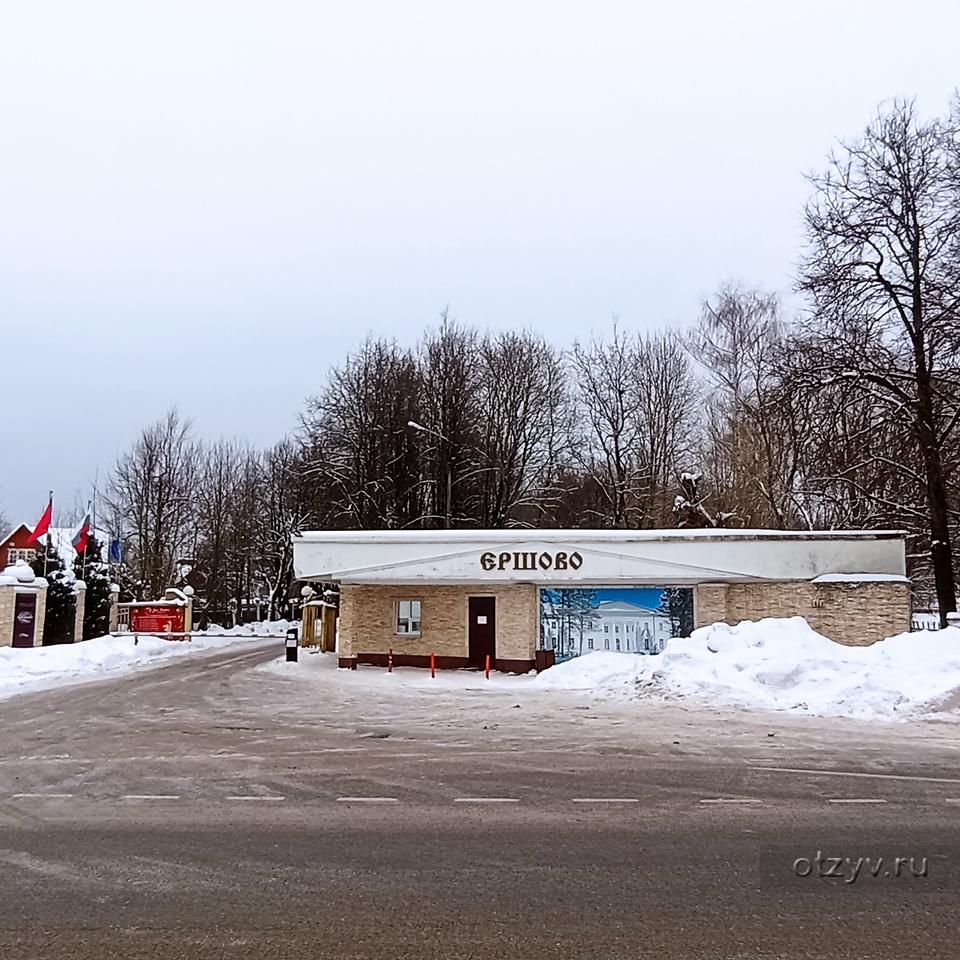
{"x": 16, "y": 546}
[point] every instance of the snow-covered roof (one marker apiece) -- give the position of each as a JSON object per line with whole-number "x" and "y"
{"x": 625, "y": 608}
{"x": 860, "y": 578}
{"x": 585, "y": 535}
{"x": 15, "y": 531}
{"x": 61, "y": 538}
{"x": 592, "y": 557}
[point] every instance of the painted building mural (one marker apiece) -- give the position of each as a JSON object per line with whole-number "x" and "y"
{"x": 639, "y": 620}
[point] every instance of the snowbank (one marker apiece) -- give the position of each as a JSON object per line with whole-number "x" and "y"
{"x": 782, "y": 665}
{"x": 264, "y": 628}
{"x": 39, "y": 668}
{"x": 601, "y": 672}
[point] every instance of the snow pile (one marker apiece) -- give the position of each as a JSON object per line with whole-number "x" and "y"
{"x": 783, "y": 665}
{"x": 38, "y": 668}
{"x": 600, "y": 672}
{"x": 262, "y": 628}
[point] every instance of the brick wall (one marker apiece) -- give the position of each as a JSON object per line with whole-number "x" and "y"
{"x": 41, "y": 614}
{"x": 7, "y": 602}
{"x": 861, "y": 613}
{"x": 709, "y": 603}
{"x": 856, "y": 614}
{"x": 367, "y": 619}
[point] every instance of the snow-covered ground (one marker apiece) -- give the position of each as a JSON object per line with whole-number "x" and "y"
{"x": 322, "y": 669}
{"x": 774, "y": 664}
{"x": 38, "y": 668}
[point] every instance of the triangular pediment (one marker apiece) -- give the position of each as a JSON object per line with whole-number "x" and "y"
{"x": 528, "y": 561}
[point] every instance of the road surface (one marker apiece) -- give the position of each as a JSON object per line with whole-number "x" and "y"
{"x": 215, "y": 808}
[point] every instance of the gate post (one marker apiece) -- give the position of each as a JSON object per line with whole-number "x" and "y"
{"x": 23, "y": 598}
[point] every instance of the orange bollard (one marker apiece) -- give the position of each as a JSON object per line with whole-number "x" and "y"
{"x": 390, "y": 661}
{"x": 486, "y": 668}
{"x": 433, "y": 665}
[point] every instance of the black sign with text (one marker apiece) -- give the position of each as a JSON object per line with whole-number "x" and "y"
{"x": 24, "y": 619}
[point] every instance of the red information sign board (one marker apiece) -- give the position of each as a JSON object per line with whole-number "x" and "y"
{"x": 161, "y": 618}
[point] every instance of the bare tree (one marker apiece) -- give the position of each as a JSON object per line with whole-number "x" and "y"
{"x": 667, "y": 414}
{"x": 150, "y": 497}
{"x": 220, "y": 470}
{"x": 607, "y": 407}
{"x": 450, "y": 413}
{"x": 523, "y": 398}
{"x": 636, "y": 404}
{"x": 357, "y": 443}
{"x": 285, "y": 509}
{"x": 884, "y": 276}
{"x": 756, "y": 425}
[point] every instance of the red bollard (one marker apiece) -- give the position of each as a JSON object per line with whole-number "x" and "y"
{"x": 433, "y": 666}
{"x": 390, "y": 661}
{"x": 486, "y": 668}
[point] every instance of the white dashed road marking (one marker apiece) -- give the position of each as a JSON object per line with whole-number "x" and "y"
{"x": 729, "y": 800}
{"x": 150, "y": 796}
{"x": 256, "y": 798}
{"x": 367, "y": 800}
{"x": 41, "y": 796}
{"x": 486, "y": 800}
{"x": 605, "y": 800}
{"x": 856, "y": 773}
{"x": 855, "y": 800}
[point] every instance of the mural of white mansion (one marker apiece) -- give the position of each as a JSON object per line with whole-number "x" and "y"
{"x": 615, "y": 625}
{"x": 627, "y": 627}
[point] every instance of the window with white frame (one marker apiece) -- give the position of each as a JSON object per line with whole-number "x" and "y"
{"x": 589, "y": 644}
{"x": 408, "y": 617}
{"x": 618, "y": 643}
{"x": 14, "y": 554}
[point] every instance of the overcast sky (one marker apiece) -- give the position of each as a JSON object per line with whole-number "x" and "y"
{"x": 206, "y": 203}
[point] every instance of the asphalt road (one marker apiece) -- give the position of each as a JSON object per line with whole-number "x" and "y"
{"x": 214, "y": 808}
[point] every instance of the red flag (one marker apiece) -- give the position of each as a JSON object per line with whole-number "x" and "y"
{"x": 43, "y": 524}
{"x": 81, "y": 537}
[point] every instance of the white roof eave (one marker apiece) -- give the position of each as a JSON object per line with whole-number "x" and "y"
{"x": 574, "y": 534}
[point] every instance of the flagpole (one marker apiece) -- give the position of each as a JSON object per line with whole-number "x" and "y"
{"x": 93, "y": 529}
{"x": 46, "y": 548}
{"x": 83, "y": 562}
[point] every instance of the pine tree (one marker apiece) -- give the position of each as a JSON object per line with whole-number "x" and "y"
{"x": 677, "y": 604}
{"x": 61, "y": 605}
{"x": 89, "y": 567}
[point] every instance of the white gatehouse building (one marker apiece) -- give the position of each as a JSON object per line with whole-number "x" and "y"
{"x": 461, "y": 596}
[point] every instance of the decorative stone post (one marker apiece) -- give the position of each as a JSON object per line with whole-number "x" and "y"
{"x": 114, "y": 607}
{"x": 188, "y": 618}
{"x": 80, "y": 590}
{"x": 23, "y": 601}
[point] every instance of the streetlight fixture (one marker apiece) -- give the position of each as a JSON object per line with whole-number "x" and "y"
{"x": 420, "y": 428}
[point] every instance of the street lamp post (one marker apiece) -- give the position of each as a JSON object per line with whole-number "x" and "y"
{"x": 420, "y": 428}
